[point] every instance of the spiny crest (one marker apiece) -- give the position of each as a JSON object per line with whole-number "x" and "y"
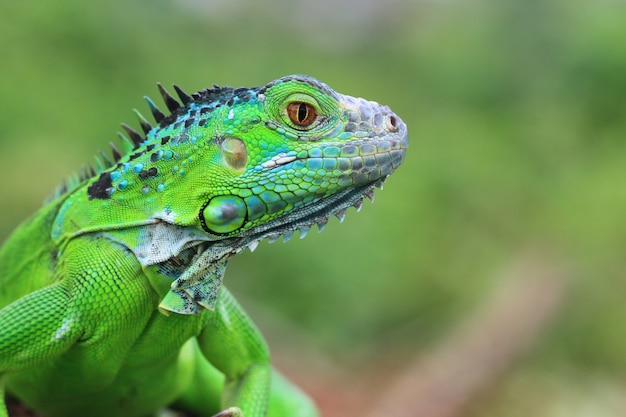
{"x": 129, "y": 143}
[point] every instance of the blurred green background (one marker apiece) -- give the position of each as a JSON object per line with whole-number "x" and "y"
{"x": 517, "y": 119}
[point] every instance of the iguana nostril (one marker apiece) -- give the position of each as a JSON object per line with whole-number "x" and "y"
{"x": 392, "y": 123}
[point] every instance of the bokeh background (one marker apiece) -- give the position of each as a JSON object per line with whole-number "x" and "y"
{"x": 488, "y": 278}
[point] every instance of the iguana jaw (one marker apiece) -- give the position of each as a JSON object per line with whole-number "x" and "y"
{"x": 320, "y": 211}
{"x": 197, "y": 288}
{"x": 304, "y": 218}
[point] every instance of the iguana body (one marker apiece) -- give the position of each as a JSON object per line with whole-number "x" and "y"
{"x": 110, "y": 295}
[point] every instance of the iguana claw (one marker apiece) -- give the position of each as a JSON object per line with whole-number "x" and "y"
{"x": 230, "y": 412}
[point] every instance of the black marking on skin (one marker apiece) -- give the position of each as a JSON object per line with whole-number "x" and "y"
{"x": 165, "y": 139}
{"x": 135, "y": 155}
{"x": 99, "y": 188}
{"x": 202, "y": 122}
{"x": 152, "y": 172}
{"x": 149, "y": 148}
{"x": 188, "y": 123}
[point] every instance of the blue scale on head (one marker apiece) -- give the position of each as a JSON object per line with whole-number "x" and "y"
{"x": 330, "y": 164}
{"x": 279, "y": 188}
{"x": 314, "y": 164}
{"x": 256, "y": 207}
{"x": 277, "y": 206}
{"x": 269, "y": 196}
{"x": 315, "y": 153}
{"x": 332, "y": 152}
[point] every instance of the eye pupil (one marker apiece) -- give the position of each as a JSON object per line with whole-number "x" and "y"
{"x": 301, "y": 114}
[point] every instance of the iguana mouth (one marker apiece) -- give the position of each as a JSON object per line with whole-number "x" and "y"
{"x": 304, "y": 218}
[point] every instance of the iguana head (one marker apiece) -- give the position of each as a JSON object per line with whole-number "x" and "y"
{"x": 291, "y": 154}
{"x": 248, "y": 163}
{"x": 226, "y": 169}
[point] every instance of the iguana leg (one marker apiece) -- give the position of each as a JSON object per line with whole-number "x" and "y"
{"x": 35, "y": 329}
{"x": 232, "y": 343}
{"x": 99, "y": 302}
{"x": 285, "y": 399}
{"x": 230, "y": 412}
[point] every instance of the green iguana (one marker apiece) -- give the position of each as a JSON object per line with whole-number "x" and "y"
{"x": 111, "y": 298}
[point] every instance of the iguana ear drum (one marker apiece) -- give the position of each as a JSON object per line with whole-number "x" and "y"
{"x": 235, "y": 153}
{"x": 223, "y": 214}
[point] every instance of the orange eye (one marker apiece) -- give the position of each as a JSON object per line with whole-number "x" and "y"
{"x": 301, "y": 114}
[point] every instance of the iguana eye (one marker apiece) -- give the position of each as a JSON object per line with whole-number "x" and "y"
{"x": 301, "y": 114}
